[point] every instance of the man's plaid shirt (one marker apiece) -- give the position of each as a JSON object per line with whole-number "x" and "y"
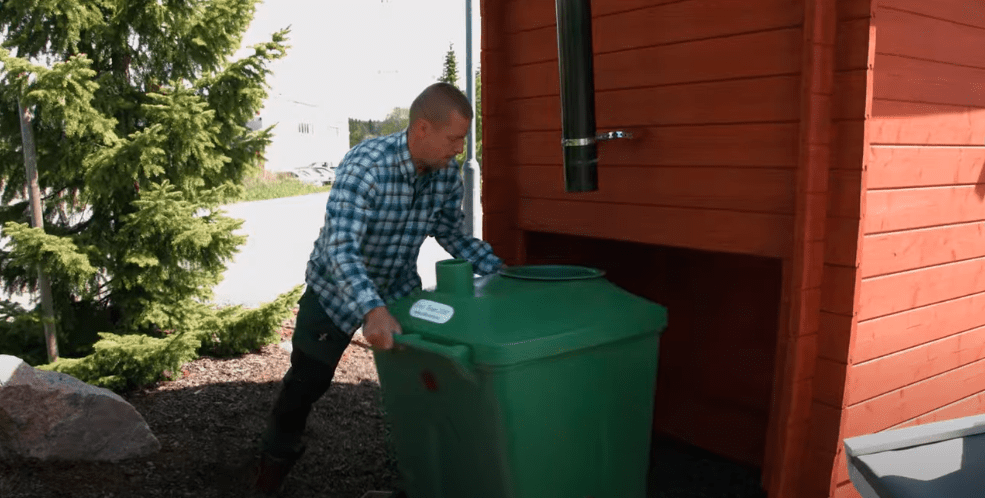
{"x": 378, "y": 215}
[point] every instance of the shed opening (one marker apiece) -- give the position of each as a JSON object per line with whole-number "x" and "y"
{"x": 717, "y": 355}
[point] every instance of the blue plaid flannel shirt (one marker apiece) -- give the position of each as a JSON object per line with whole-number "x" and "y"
{"x": 378, "y": 215}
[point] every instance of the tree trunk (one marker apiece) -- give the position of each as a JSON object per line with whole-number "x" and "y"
{"x": 37, "y": 220}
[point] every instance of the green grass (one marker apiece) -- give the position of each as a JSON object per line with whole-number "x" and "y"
{"x": 276, "y": 185}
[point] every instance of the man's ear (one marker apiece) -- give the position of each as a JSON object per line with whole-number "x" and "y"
{"x": 419, "y": 127}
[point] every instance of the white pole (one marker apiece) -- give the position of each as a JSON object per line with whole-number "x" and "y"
{"x": 470, "y": 170}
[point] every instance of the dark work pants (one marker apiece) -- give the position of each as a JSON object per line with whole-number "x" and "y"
{"x": 305, "y": 382}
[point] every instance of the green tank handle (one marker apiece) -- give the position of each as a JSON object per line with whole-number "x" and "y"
{"x": 459, "y": 355}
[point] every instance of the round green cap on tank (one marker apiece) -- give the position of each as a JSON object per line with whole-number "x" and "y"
{"x": 455, "y": 276}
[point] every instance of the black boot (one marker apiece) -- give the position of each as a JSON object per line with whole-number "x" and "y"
{"x": 270, "y": 473}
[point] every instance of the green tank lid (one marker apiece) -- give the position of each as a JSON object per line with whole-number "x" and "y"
{"x": 521, "y": 314}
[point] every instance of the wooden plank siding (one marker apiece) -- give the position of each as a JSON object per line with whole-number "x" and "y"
{"x": 722, "y": 58}
{"x": 499, "y": 198}
{"x": 842, "y": 256}
{"x": 873, "y": 378}
{"x": 717, "y": 354}
{"x": 706, "y": 229}
{"x": 902, "y": 167}
{"x": 766, "y": 145}
{"x": 896, "y": 210}
{"x": 715, "y": 131}
{"x": 918, "y": 351}
{"x": 932, "y": 93}
{"x": 881, "y": 337}
{"x": 757, "y": 190}
{"x": 829, "y": 49}
{"x": 974, "y": 404}
{"x": 619, "y": 26}
{"x": 762, "y": 100}
{"x": 713, "y": 166}
{"x": 852, "y": 38}
{"x": 914, "y": 400}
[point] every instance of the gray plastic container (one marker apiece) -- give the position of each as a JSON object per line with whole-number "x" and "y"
{"x": 938, "y": 460}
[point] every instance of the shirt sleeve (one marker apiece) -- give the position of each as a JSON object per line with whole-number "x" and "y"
{"x": 348, "y": 209}
{"x": 449, "y": 231}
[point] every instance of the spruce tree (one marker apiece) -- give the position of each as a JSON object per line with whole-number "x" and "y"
{"x": 450, "y": 72}
{"x": 139, "y": 122}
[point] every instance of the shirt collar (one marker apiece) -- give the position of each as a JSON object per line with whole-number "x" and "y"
{"x": 406, "y": 164}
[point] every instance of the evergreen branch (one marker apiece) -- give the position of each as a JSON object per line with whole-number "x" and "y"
{"x": 57, "y": 256}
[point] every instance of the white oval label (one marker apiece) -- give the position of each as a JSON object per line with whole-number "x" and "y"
{"x": 431, "y": 311}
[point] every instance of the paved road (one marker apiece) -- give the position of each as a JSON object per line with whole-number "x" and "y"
{"x": 280, "y": 235}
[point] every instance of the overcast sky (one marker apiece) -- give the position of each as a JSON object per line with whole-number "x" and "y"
{"x": 362, "y": 57}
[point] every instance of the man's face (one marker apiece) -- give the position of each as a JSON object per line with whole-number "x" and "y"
{"x": 443, "y": 141}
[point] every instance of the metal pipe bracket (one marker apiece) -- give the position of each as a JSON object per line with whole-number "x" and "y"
{"x": 612, "y": 135}
{"x": 601, "y": 137}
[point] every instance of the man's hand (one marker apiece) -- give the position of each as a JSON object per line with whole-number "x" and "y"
{"x": 379, "y": 328}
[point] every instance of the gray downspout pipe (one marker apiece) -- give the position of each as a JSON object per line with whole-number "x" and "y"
{"x": 577, "y": 77}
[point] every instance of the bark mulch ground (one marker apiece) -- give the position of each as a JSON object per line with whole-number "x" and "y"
{"x": 208, "y": 423}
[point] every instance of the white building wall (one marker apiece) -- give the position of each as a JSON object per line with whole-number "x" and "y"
{"x": 304, "y": 134}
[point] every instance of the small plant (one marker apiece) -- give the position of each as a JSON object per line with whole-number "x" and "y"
{"x": 235, "y": 330}
{"x": 125, "y": 362}
{"x": 131, "y": 361}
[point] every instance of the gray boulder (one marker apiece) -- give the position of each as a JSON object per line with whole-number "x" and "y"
{"x": 54, "y": 416}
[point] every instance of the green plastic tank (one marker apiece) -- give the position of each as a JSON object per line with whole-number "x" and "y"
{"x": 536, "y": 382}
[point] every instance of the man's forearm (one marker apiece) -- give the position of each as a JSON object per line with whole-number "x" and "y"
{"x": 347, "y": 268}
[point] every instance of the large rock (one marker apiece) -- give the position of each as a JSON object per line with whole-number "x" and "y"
{"x": 54, "y": 416}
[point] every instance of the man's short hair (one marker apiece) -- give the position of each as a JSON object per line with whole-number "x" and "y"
{"x": 437, "y": 101}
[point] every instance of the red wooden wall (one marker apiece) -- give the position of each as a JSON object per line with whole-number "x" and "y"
{"x": 713, "y": 166}
{"x": 695, "y": 213}
{"x": 823, "y": 466}
{"x": 891, "y": 332}
{"x": 913, "y": 297}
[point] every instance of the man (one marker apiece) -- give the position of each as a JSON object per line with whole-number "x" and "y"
{"x": 390, "y": 193}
